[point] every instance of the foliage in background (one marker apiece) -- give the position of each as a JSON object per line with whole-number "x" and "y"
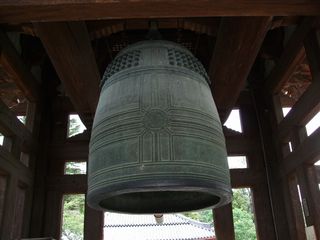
{"x": 75, "y": 125}
{"x": 243, "y": 216}
{"x": 201, "y": 216}
{"x": 73, "y": 217}
{"x": 72, "y": 168}
{"x": 73, "y": 205}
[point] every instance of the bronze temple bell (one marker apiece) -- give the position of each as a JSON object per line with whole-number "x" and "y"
{"x": 157, "y": 144}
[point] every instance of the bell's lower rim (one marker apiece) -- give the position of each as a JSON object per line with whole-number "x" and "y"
{"x": 153, "y": 196}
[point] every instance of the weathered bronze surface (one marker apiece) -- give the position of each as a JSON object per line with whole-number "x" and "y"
{"x": 157, "y": 144}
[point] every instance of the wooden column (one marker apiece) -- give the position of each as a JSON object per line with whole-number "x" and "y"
{"x": 260, "y": 189}
{"x": 93, "y": 224}
{"x": 278, "y": 190}
{"x": 8, "y": 218}
{"x": 223, "y": 223}
{"x": 53, "y": 214}
{"x": 293, "y": 208}
{"x": 309, "y": 190}
{"x": 43, "y": 122}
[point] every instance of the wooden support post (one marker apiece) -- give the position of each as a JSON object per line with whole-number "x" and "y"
{"x": 43, "y": 120}
{"x": 53, "y": 217}
{"x": 93, "y": 224}
{"x": 10, "y": 201}
{"x": 256, "y": 160}
{"x": 293, "y": 208}
{"x": 309, "y": 191}
{"x": 223, "y": 223}
{"x": 278, "y": 191}
{"x": 310, "y": 197}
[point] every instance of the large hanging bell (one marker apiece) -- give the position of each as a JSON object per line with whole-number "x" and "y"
{"x": 157, "y": 144}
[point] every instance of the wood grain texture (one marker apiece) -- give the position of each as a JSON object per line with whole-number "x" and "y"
{"x": 293, "y": 54}
{"x": 223, "y": 223}
{"x": 68, "y": 46}
{"x": 307, "y": 152}
{"x": 302, "y": 111}
{"x": 10, "y": 126}
{"x": 64, "y": 10}
{"x": 238, "y": 43}
{"x": 10, "y": 59}
{"x": 293, "y": 208}
{"x": 310, "y": 195}
{"x": 309, "y": 103}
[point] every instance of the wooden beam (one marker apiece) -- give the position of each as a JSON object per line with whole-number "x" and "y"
{"x": 243, "y": 178}
{"x": 14, "y": 167}
{"x": 306, "y": 153}
{"x": 312, "y": 46}
{"x": 13, "y": 64}
{"x": 239, "y": 145}
{"x": 309, "y": 103}
{"x": 10, "y": 126}
{"x": 292, "y": 56}
{"x": 71, "y": 151}
{"x": 69, "y": 48}
{"x": 65, "y": 10}
{"x": 238, "y": 43}
{"x": 68, "y": 184}
{"x": 302, "y": 112}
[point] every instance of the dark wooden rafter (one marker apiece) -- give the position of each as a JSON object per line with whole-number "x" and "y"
{"x": 302, "y": 111}
{"x": 12, "y": 62}
{"x": 10, "y": 126}
{"x": 307, "y": 152}
{"x": 65, "y": 10}
{"x": 68, "y": 46}
{"x": 104, "y": 28}
{"x": 292, "y": 56}
{"x": 238, "y": 43}
{"x": 309, "y": 103}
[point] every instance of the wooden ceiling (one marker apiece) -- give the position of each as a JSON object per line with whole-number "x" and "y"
{"x": 66, "y": 10}
{"x": 228, "y": 47}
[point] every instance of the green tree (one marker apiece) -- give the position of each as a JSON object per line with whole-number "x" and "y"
{"x": 201, "y": 216}
{"x": 243, "y": 225}
{"x": 243, "y": 217}
{"x": 74, "y": 168}
{"x": 74, "y": 127}
{"x": 73, "y": 217}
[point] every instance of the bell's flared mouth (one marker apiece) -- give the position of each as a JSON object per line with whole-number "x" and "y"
{"x": 159, "y": 202}
{"x": 154, "y": 198}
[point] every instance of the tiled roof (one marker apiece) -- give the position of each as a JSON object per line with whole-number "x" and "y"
{"x": 144, "y": 227}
